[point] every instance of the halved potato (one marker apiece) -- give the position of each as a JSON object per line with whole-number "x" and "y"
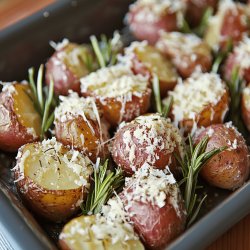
{"x": 52, "y": 179}
{"x": 147, "y": 18}
{"x": 230, "y": 168}
{"x": 229, "y": 23}
{"x": 20, "y": 123}
{"x": 82, "y": 233}
{"x": 67, "y": 65}
{"x": 187, "y": 52}
{"x": 148, "y": 139}
{"x": 121, "y": 95}
{"x": 245, "y": 106}
{"x": 147, "y": 60}
{"x": 153, "y": 202}
{"x": 79, "y": 124}
{"x": 199, "y": 101}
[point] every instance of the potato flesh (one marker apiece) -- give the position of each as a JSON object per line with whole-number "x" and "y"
{"x": 83, "y": 238}
{"x": 50, "y": 173}
{"x": 156, "y": 63}
{"x": 25, "y": 110}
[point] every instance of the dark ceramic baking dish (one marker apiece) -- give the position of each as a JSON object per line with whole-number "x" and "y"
{"x": 25, "y": 44}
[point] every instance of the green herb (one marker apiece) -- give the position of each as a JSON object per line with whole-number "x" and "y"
{"x": 163, "y": 110}
{"x": 193, "y": 161}
{"x": 106, "y": 50}
{"x": 220, "y": 57}
{"x": 44, "y": 101}
{"x": 105, "y": 183}
{"x": 235, "y": 86}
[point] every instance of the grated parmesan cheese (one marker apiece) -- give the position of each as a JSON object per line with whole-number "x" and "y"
{"x": 194, "y": 94}
{"x": 114, "y": 81}
{"x": 8, "y": 87}
{"x": 60, "y": 45}
{"x": 154, "y": 186}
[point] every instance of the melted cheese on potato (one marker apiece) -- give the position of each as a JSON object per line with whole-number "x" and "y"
{"x": 114, "y": 82}
{"x": 53, "y": 166}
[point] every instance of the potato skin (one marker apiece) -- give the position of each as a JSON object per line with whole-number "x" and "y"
{"x": 53, "y": 205}
{"x": 65, "y": 75}
{"x": 156, "y": 226}
{"x": 196, "y": 9}
{"x": 230, "y": 168}
{"x": 69, "y": 133}
{"x": 148, "y": 29}
{"x": 245, "y": 107}
{"x": 116, "y": 110}
{"x": 122, "y": 157}
{"x": 211, "y": 114}
{"x": 12, "y": 133}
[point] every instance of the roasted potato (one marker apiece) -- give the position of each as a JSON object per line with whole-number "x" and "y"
{"x": 199, "y": 101}
{"x": 67, "y": 65}
{"x": 245, "y": 106}
{"x": 230, "y": 168}
{"x": 121, "y": 95}
{"x": 147, "y": 18}
{"x": 238, "y": 59}
{"x": 148, "y": 139}
{"x": 52, "y": 179}
{"x": 96, "y": 232}
{"x": 20, "y": 123}
{"x": 154, "y": 205}
{"x": 196, "y": 9}
{"x": 79, "y": 124}
{"x": 147, "y": 60}
{"x": 187, "y": 52}
{"x": 229, "y": 23}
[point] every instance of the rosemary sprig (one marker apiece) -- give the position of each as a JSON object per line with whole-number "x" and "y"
{"x": 220, "y": 57}
{"x": 106, "y": 50}
{"x": 191, "y": 164}
{"x": 160, "y": 108}
{"x": 44, "y": 101}
{"x": 236, "y": 85}
{"x": 105, "y": 183}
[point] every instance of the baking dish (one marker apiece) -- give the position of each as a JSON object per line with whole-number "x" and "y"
{"x": 26, "y": 44}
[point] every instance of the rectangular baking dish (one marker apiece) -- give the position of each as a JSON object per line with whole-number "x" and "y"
{"x": 26, "y": 44}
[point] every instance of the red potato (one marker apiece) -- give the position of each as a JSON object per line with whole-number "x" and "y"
{"x": 187, "y": 52}
{"x": 245, "y": 106}
{"x": 20, "y": 123}
{"x": 230, "y": 22}
{"x": 52, "y": 179}
{"x": 147, "y": 60}
{"x": 201, "y": 100}
{"x": 67, "y": 65}
{"x": 147, "y": 18}
{"x": 148, "y": 139}
{"x": 196, "y": 8}
{"x": 121, "y": 95}
{"x": 230, "y": 168}
{"x": 238, "y": 59}
{"x": 79, "y": 124}
{"x": 155, "y": 207}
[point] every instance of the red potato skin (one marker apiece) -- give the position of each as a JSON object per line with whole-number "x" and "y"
{"x": 64, "y": 79}
{"x": 230, "y": 168}
{"x": 112, "y": 107}
{"x": 245, "y": 111}
{"x": 196, "y": 8}
{"x": 149, "y": 29}
{"x": 232, "y": 27}
{"x": 68, "y": 134}
{"x": 12, "y": 133}
{"x": 156, "y": 226}
{"x": 230, "y": 64}
{"x": 121, "y": 156}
